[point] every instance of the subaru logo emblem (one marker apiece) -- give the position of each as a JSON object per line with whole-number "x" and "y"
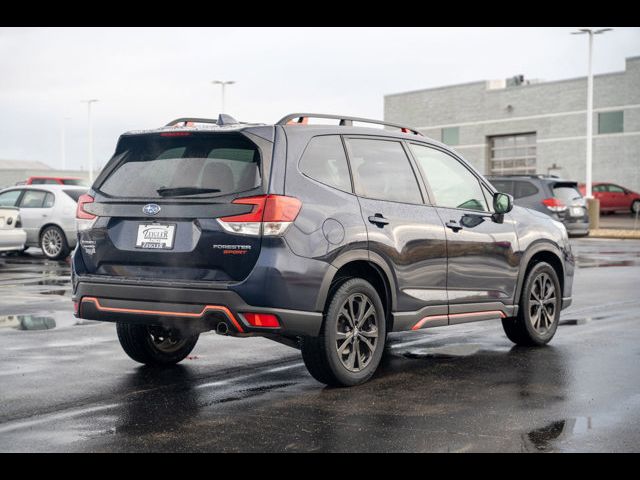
{"x": 151, "y": 209}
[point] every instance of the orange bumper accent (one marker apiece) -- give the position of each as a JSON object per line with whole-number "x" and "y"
{"x": 218, "y": 308}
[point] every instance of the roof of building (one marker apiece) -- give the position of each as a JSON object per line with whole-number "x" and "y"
{"x": 535, "y": 83}
{"x": 23, "y": 165}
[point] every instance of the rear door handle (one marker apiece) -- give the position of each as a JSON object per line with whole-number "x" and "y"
{"x": 453, "y": 225}
{"x": 378, "y": 220}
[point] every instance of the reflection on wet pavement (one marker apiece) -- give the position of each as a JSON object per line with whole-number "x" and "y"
{"x": 44, "y": 321}
{"x": 446, "y": 351}
{"x": 463, "y": 388}
{"x": 599, "y": 253}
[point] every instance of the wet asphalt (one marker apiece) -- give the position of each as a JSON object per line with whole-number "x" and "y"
{"x": 65, "y": 384}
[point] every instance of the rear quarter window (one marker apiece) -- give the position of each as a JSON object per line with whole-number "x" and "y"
{"x": 525, "y": 189}
{"x": 324, "y": 160}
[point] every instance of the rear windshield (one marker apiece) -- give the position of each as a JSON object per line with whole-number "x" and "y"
{"x": 75, "y": 194}
{"x": 183, "y": 164}
{"x": 568, "y": 193}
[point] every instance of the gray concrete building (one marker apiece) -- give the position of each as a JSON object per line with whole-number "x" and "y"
{"x": 528, "y": 126}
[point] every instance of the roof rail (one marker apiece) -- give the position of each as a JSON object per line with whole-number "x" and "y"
{"x": 302, "y": 118}
{"x": 223, "y": 119}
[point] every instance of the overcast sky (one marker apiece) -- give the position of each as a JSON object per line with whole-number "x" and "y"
{"x": 144, "y": 77}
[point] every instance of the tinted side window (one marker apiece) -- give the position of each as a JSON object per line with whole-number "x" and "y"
{"x": 9, "y": 199}
{"x": 503, "y": 186}
{"x": 599, "y": 188}
{"x": 525, "y": 189}
{"x": 324, "y": 160}
{"x": 381, "y": 170}
{"x": 32, "y": 199}
{"x": 453, "y": 185}
{"x": 616, "y": 189}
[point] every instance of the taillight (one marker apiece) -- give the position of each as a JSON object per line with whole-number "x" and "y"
{"x": 554, "y": 204}
{"x": 271, "y": 215}
{"x": 84, "y": 219}
{"x": 81, "y": 213}
{"x": 262, "y": 320}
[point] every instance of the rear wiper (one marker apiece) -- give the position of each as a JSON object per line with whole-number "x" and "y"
{"x": 179, "y": 191}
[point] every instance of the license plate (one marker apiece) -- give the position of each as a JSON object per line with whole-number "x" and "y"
{"x": 577, "y": 211}
{"x": 155, "y": 236}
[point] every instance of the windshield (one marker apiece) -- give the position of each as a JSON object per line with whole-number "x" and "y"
{"x": 74, "y": 181}
{"x": 75, "y": 194}
{"x": 183, "y": 164}
{"x": 569, "y": 194}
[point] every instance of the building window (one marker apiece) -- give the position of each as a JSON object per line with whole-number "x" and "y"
{"x": 451, "y": 135}
{"x": 611, "y": 122}
{"x": 513, "y": 154}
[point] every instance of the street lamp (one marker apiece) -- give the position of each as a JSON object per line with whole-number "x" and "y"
{"x": 223, "y": 83}
{"x": 591, "y": 33}
{"x": 90, "y": 134}
{"x": 63, "y": 150}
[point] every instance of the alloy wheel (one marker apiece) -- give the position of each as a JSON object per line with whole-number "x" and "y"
{"x": 357, "y": 332}
{"x": 165, "y": 340}
{"x": 542, "y": 303}
{"x": 52, "y": 242}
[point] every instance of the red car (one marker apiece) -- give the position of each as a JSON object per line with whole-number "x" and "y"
{"x": 55, "y": 181}
{"x": 614, "y": 197}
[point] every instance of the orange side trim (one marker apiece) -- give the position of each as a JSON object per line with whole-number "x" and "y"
{"x": 218, "y": 308}
{"x": 419, "y": 325}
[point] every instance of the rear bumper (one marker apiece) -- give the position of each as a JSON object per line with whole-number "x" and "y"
{"x": 12, "y": 239}
{"x": 577, "y": 227}
{"x": 185, "y": 308}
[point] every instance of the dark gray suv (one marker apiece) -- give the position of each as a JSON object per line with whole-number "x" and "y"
{"x": 323, "y": 237}
{"x": 560, "y": 199}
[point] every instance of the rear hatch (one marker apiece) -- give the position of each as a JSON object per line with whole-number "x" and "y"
{"x": 569, "y": 195}
{"x": 158, "y": 201}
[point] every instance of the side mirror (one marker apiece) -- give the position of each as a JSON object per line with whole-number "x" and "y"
{"x": 502, "y": 203}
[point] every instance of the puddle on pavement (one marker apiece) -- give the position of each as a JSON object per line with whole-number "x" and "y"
{"x": 45, "y": 321}
{"x": 543, "y": 438}
{"x": 447, "y": 351}
{"x": 582, "y": 321}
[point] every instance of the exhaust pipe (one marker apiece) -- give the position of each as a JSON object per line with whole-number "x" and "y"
{"x": 222, "y": 328}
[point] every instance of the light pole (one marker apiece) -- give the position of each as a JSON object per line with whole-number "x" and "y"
{"x": 591, "y": 33}
{"x": 223, "y": 83}
{"x": 90, "y": 139}
{"x": 63, "y": 150}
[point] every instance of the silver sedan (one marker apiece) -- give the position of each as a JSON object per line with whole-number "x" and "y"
{"x": 47, "y": 213}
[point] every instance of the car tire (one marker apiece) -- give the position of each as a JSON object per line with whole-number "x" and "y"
{"x": 53, "y": 243}
{"x": 338, "y": 357}
{"x": 154, "y": 345}
{"x": 539, "y": 308}
{"x": 635, "y": 206}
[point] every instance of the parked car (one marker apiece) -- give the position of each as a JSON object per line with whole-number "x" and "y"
{"x": 47, "y": 213}
{"x": 56, "y": 181}
{"x": 560, "y": 199}
{"x": 12, "y": 236}
{"x": 614, "y": 198}
{"x": 322, "y": 237}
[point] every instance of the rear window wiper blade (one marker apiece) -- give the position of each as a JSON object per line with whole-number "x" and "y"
{"x": 179, "y": 191}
